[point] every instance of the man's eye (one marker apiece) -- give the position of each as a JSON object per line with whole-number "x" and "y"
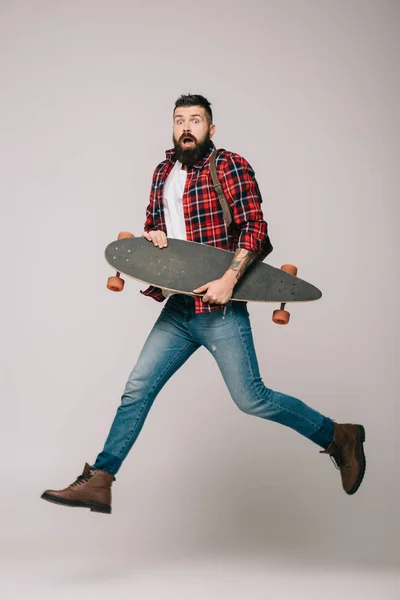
{"x": 196, "y": 121}
{"x": 179, "y": 122}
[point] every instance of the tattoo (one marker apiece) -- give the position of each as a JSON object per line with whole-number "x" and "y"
{"x": 242, "y": 260}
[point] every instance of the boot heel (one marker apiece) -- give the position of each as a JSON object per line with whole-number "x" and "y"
{"x": 101, "y": 508}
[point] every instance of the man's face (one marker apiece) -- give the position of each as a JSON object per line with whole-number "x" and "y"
{"x": 191, "y": 133}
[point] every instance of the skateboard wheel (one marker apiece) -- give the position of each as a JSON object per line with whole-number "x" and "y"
{"x": 125, "y": 234}
{"x": 291, "y": 269}
{"x": 115, "y": 284}
{"x": 281, "y": 317}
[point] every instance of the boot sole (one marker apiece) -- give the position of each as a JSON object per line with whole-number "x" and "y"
{"x": 361, "y": 440}
{"x": 93, "y": 506}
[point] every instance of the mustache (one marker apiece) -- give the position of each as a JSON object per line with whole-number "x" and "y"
{"x": 188, "y": 136}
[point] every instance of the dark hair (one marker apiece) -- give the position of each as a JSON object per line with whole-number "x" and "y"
{"x": 195, "y": 100}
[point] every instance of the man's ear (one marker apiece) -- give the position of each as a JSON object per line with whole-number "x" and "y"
{"x": 212, "y": 130}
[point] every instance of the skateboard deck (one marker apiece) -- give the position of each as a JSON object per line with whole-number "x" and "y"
{"x": 184, "y": 266}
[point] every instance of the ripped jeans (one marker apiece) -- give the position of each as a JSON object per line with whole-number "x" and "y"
{"x": 226, "y": 334}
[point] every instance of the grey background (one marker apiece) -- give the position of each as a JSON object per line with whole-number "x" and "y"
{"x": 210, "y": 501}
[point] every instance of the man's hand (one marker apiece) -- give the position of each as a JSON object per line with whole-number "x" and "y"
{"x": 218, "y": 291}
{"x": 157, "y": 237}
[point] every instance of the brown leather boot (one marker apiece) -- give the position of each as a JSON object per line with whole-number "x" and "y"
{"x": 91, "y": 490}
{"x": 347, "y": 453}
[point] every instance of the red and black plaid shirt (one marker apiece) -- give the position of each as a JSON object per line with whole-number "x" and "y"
{"x": 203, "y": 214}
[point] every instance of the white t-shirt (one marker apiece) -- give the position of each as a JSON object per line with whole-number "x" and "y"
{"x": 173, "y": 207}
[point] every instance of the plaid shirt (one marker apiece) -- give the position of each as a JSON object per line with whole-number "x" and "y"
{"x": 202, "y": 211}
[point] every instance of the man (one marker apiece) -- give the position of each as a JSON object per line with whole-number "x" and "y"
{"x": 183, "y": 204}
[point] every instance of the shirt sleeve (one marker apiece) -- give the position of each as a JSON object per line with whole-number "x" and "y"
{"x": 149, "y": 222}
{"x": 241, "y": 189}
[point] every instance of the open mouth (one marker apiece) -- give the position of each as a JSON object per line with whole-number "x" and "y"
{"x": 187, "y": 141}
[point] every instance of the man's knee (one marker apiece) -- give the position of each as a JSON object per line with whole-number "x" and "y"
{"x": 135, "y": 389}
{"x": 257, "y": 401}
{"x": 244, "y": 402}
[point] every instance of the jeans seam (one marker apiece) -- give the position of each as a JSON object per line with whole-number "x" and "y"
{"x": 244, "y": 344}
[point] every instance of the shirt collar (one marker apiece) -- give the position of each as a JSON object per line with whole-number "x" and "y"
{"x": 170, "y": 154}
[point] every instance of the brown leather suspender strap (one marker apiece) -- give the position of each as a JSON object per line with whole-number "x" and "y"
{"x": 226, "y": 209}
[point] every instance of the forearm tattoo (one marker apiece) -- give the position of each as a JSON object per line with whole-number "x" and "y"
{"x": 242, "y": 260}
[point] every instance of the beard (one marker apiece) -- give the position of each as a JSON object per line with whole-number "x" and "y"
{"x": 189, "y": 156}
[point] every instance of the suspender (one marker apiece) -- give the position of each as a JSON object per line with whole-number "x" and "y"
{"x": 226, "y": 208}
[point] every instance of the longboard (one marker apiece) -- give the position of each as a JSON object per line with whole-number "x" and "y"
{"x": 184, "y": 266}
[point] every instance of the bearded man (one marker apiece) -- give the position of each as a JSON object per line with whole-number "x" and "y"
{"x": 184, "y": 205}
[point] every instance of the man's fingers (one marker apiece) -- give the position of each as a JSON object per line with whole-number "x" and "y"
{"x": 217, "y": 292}
{"x": 163, "y": 242}
{"x": 203, "y": 288}
{"x": 158, "y": 238}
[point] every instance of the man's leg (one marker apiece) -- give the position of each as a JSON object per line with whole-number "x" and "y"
{"x": 229, "y": 339}
{"x": 167, "y": 348}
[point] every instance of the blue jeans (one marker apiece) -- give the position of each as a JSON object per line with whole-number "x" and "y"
{"x": 176, "y": 335}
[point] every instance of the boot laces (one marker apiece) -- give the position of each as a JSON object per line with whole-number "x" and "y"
{"x": 82, "y": 479}
{"x": 339, "y": 459}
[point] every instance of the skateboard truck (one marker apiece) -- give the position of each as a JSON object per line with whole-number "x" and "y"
{"x": 282, "y": 316}
{"x": 116, "y": 283}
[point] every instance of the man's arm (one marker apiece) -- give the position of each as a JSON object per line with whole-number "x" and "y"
{"x": 242, "y": 259}
{"x": 149, "y": 222}
{"x": 220, "y": 291}
{"x": 157, "y": 236}
{"x": 241, "y": 188}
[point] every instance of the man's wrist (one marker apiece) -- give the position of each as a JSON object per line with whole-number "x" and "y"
{"x": 230, "y": 277}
